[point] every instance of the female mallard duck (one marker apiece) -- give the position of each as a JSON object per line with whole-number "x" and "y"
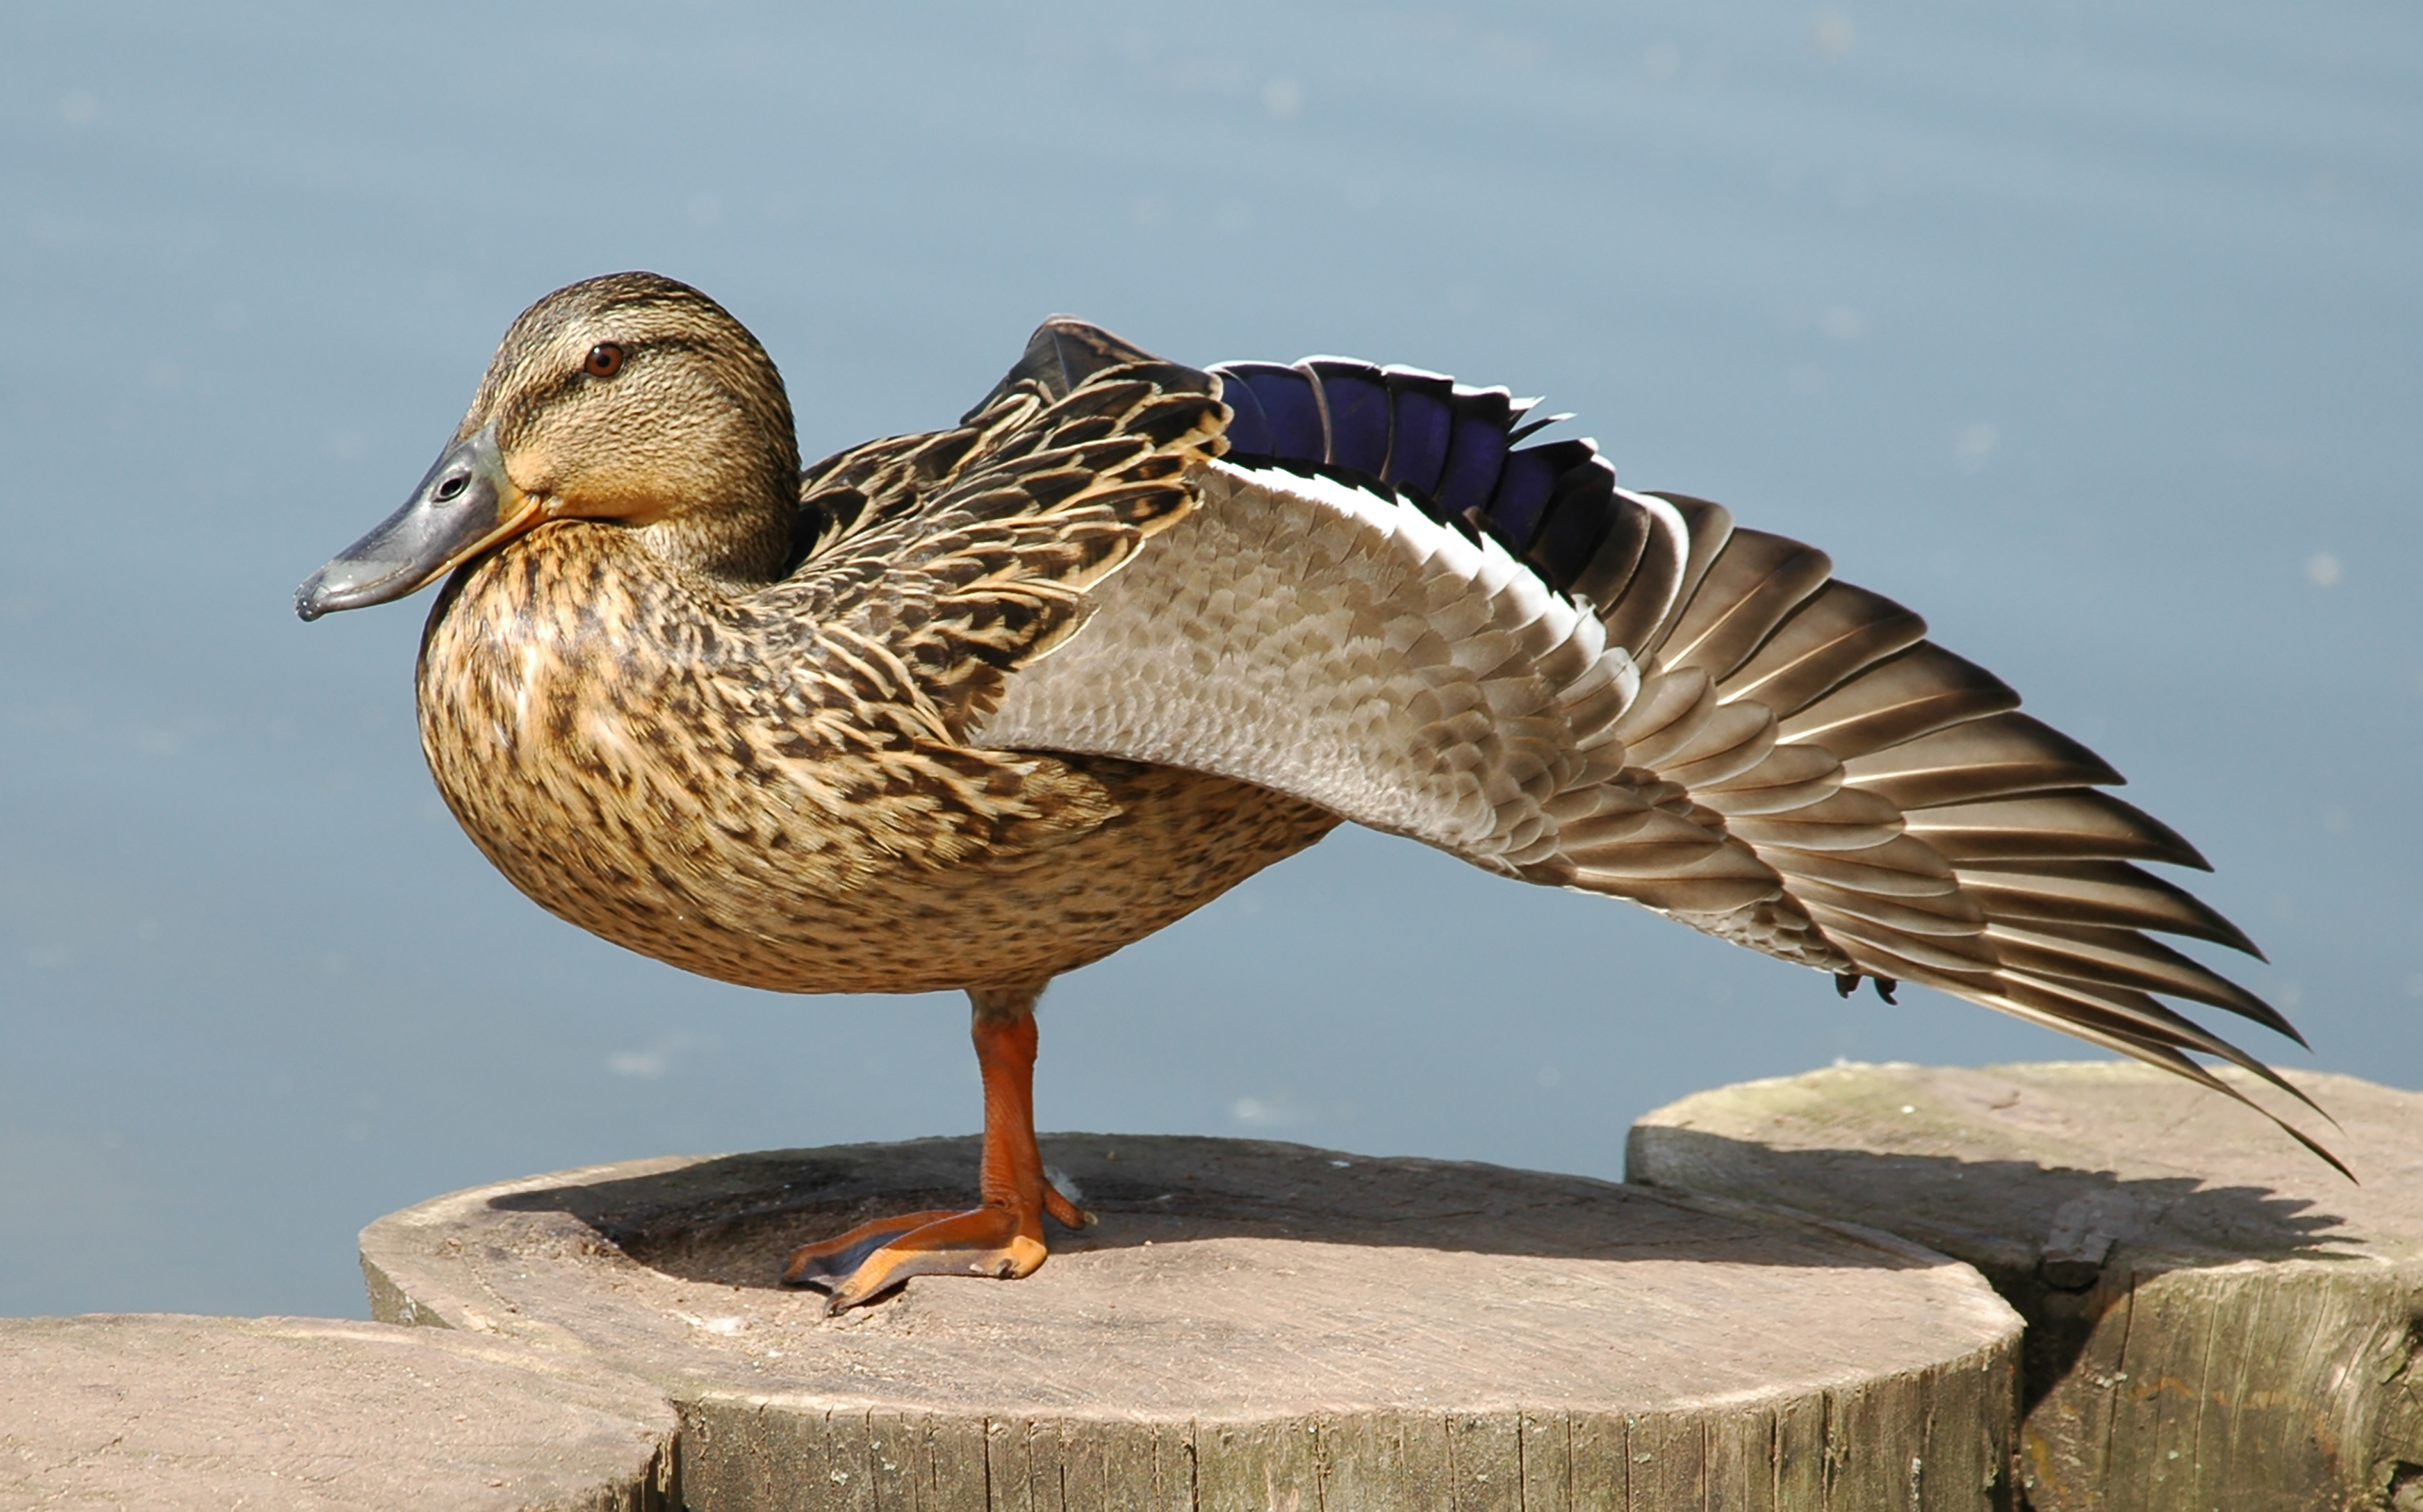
{"x": 974, "y": 708}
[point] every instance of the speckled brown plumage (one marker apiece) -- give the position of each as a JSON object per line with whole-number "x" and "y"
{"x": 712, "y": 819}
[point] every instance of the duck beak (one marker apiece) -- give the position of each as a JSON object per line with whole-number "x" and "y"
{"x": 466, "y": 504}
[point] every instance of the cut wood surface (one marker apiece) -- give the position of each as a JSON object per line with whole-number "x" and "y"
{"x": 168, "y": 1413}
{"x": 1251, "y": 1325}
{"x": 2216, "y": 1319}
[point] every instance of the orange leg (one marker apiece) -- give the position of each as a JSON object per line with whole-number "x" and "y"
{"x": 1001, "y": 1237}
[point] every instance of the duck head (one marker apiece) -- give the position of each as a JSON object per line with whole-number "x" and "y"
{"x": 629, "y": 398}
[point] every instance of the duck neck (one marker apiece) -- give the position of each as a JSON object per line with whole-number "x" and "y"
{"x": 747, "y": 543}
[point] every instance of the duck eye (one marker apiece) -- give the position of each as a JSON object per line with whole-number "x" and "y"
{"x": 605, "y": 360}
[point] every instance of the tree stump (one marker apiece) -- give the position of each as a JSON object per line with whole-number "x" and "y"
{"x": 183, "y": 1414}
{"x": 1251, "y": 1325}
{"x": 2216, "y": 1319}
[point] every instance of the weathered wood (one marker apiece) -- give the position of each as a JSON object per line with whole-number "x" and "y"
{"x": 1251, "y": 1326}
{"x": 2215, "y": 1319}
{"x": 183, "y": 1414}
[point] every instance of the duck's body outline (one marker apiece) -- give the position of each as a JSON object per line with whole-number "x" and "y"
{"x": 876, "y": 732}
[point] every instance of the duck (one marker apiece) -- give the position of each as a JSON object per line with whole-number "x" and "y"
{"x": 971, "y": 708}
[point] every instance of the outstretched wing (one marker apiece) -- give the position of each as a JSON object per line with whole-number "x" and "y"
{"x": 1380, "y": 604}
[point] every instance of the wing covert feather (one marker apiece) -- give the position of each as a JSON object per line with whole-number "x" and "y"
{"x": 1341, "y": 647}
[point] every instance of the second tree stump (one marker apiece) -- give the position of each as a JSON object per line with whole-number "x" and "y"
{"x": 2216, "y": 1319}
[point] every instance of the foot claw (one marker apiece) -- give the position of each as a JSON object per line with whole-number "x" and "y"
{"x": 1065, "y": 1211}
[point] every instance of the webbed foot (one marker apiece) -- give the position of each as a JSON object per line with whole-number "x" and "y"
{"x": 875, "y": 1259}
{"x": 1002, "y": 1238}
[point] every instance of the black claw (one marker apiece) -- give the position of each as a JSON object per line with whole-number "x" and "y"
{"x": 1885, "y": 987}
{"x": 1845, "y": 982}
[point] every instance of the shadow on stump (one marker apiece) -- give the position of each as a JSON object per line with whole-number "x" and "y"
{"x": 731, "y": 1220}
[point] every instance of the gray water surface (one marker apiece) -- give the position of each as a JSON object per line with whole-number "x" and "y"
{"x": 2090, "y": 332}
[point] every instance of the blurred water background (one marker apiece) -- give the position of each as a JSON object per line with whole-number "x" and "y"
{"x": 2093, "y": 332}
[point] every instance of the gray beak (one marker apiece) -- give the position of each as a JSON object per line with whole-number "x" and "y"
{"x": 463, "y": 504}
